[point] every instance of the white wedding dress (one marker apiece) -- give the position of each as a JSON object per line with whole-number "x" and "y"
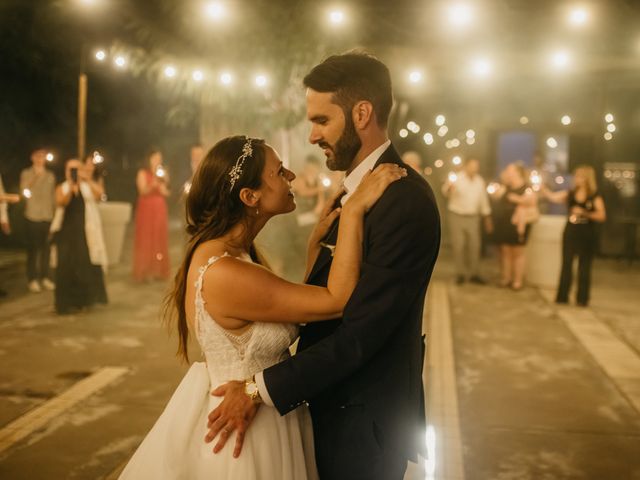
{"x": 275, "y": 447}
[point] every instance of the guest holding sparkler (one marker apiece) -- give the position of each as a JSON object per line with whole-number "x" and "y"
{"x": 586, "y": 210}
{"x": 151, "y": 247}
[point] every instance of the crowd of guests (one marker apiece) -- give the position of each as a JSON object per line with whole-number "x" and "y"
{"x": 507, "y": 211}
{"x": 63, "y": 225}
{"x": 65, "y": 245}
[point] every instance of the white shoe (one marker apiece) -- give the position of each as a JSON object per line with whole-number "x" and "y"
{"x": 34, "y": 286}
{"x": 48, "y": 285}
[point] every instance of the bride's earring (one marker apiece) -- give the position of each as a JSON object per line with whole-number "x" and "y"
{"x": 257, "y": 212}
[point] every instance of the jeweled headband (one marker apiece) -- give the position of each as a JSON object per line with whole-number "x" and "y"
{"x": 236, "y": 171}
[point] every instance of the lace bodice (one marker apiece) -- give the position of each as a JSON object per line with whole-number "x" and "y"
{"x": 236, "y": 357}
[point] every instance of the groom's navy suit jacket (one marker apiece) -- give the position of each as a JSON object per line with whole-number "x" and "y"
{"x": 372, "y": 357}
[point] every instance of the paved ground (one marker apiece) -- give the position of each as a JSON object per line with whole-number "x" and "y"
{"x": 535, "y": 399}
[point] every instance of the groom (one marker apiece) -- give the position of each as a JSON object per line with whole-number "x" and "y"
{"x": 362, "y": 374}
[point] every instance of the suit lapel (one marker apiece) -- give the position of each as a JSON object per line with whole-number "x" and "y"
{"x": 326, "y": 254}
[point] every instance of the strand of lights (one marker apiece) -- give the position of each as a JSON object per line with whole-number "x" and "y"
{"x": 413, "y": 127}
{"x": 565, "y": 120}
{"x": 428, "y": 138}
{"x": 404, "y": 133}
{"x": 611, "y": 127}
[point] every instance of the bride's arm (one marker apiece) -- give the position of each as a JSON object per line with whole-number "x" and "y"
{"x": 241, "y": 290}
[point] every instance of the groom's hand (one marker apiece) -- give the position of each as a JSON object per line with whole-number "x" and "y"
{"x": 236, "y": 412}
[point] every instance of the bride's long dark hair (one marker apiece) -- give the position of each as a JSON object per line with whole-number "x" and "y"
{"x": 212, "y": 209}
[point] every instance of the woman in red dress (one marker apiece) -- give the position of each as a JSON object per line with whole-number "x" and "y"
{"x": 151, "y": 248}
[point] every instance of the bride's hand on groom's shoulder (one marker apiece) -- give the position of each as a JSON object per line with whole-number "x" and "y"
{"x": 372, "y": 186}
{"x": 235, "y": 413}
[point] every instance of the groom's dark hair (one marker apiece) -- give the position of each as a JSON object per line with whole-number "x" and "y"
{"x": 352, "y": 77}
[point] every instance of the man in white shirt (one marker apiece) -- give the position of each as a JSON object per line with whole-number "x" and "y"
{"x": 468, "y": 202}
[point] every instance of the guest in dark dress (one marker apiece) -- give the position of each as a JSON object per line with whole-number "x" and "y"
{"x": 77, "y": 234}
{"x": 580, "y": 239}
{"x": 511, "y": 230}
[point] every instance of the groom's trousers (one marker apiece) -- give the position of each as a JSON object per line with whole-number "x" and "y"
{"x": 350, "y": 446}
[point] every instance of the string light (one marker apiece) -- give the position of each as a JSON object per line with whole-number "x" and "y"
{"x": 481, "y": 67}
{"x": 101, "y": 55}
{"x": 215, "y": 11}
{"x": 442, "y": 131}
{"x": 404, "y": 133}
{"x": 261, "y": 81}
{"x": 608, "y": 117}
{"x": 560, "y": 59}
{"x": 120, "y": 61}
{"x": 336, "y": 17}
{"x": 524, "y": 120}
{"x": 457, "y": 160}
{"x": 611, "y": 128}
{"x": 439, "y": 163}
{"x": 170, "y": 71}
{"x": 440, "y": 120}
{"x": 566, "y": 120}
{"x": 226, "y": 78}
{"x": 552, "y": 142}
{"x": 608, "y": 136}
{"x": 578, "y": 17}
{"x": 197, "y": 75}
{"x": 460, "y": 15}
{"x": 413, "y": 127}
{"x": 415, "y": 76}
{"x": 428, "y": 138}
{"x": 49, "y": 157}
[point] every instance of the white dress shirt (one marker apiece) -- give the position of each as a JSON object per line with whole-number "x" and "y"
{"x": 350, "y": 184}
{"x": 468, "y": 196}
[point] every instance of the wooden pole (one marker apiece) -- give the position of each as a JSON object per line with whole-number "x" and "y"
{"x": 82, "y": 114}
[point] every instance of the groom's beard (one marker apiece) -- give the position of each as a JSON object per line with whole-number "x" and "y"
{"x": 346, "y": 148}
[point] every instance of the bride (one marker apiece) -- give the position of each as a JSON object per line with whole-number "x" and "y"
{"x": 244, "y": 317}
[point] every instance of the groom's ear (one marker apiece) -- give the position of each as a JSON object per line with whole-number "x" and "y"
{"x": 249, "y": 197}
{"x": 362, "y": 114}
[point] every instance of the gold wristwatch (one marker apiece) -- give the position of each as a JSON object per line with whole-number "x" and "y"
{"x": 252, "y": 391}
